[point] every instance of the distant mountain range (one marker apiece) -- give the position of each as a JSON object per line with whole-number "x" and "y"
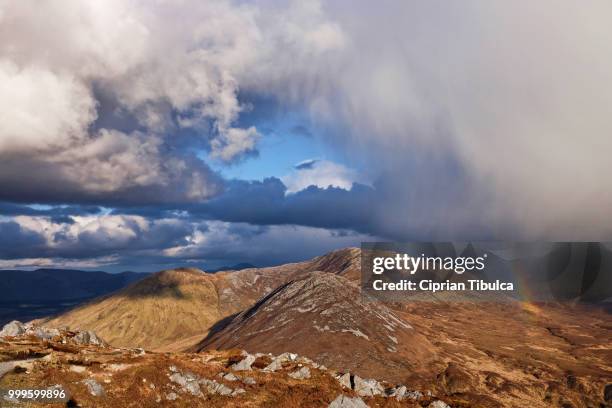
{"x": 26, "y": 295}
{"x": 236, "y": 267}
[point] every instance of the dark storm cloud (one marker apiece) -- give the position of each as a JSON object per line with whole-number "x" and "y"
{"x": 175, "y": 180}
{"x": 17, "y": 242}
{"x": 265, "y": 203}
{"x": 11, "y": 209}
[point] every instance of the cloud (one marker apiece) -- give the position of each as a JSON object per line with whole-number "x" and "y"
{"x": 104, "y": 241}
{"x": 104, "y": 116}
{"x": 484, "y": 119}
{"x": 320, "y": 173}
{"x": 18, "y": 242}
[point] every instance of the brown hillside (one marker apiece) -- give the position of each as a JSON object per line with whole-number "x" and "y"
{"x": 174, "y": 309}
{"x": 324, "y": 317}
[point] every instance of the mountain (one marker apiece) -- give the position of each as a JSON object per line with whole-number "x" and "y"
{"x": 473, "y": 353}
{"x": 488, "y": 353}
{"x": 324, "y": 317}
{"x": 29, "y": 294}
{"x": 236, "y": 267}
{"x": 160, "y": 309}
{"x": 174, "y": 309}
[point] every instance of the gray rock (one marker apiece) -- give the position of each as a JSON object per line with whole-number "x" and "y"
{"x": 14, "y": 328}
{"x": 171, "y": 396}
{"x": 401, "y": 392}
{"x": 276, "y": 364}
{"x": 344, "y": 380}
{"x": 438, "y": 404}
{"x": 230, "y": 377}
{"x": 88, "y": 337}
{"x": 301, "y": 374}
{"x": 44, "y": 333}
{"x": 94, "y": 387}
{"x": 188, "y": 382}
{"x": 367, "y": 388}
{"x": 249, "y": 381}
{"x": 244, "y": 364}
{"x": 214, "y": 387}
{"x": 288, "y": 357}
{"x": 238, "y": 391}
{"x": 342, "y": 401}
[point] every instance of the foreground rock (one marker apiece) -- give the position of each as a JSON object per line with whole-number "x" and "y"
{"x": 19, "y": 329}
{"x": 94, "y": 374}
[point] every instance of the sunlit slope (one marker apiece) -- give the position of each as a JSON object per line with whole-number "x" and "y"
{"x": 154, "y": 312}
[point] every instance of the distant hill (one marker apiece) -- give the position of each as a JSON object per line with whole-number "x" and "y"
{"x": 236, "y": 267}
{"x": 25, "y": 295}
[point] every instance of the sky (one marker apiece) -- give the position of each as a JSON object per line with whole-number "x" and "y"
{"x": 147, "y": 135}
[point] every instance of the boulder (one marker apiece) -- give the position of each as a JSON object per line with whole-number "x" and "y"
{"x": 401, "y": 391}
{"x": 367, "y": 388}
{"x": 214, "y": 387}
{"x": 287, "y": 357}
{"x": 342, "y": 401}
{"x": 88, "y": 337}
{"x": 344, "y": 380}
{"x": 230, "y": 377}
{"x": 94, "y": 387}
{"x": 188, "y": 382}
{"x": 44, "y": 333}
{"x": 245, "y": 363}
{"x": 276, "y": 364}
{"x": 301, "y": 374}
{"x": 14, "y": 328}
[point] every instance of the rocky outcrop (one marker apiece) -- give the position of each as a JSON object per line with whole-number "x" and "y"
{"x": 19, "y": 329}
{"x": 367, "y": 388}
{"x": 14, "y": 328}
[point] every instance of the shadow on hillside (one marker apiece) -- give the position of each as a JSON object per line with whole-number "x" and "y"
{"x": 214, "y": 329}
